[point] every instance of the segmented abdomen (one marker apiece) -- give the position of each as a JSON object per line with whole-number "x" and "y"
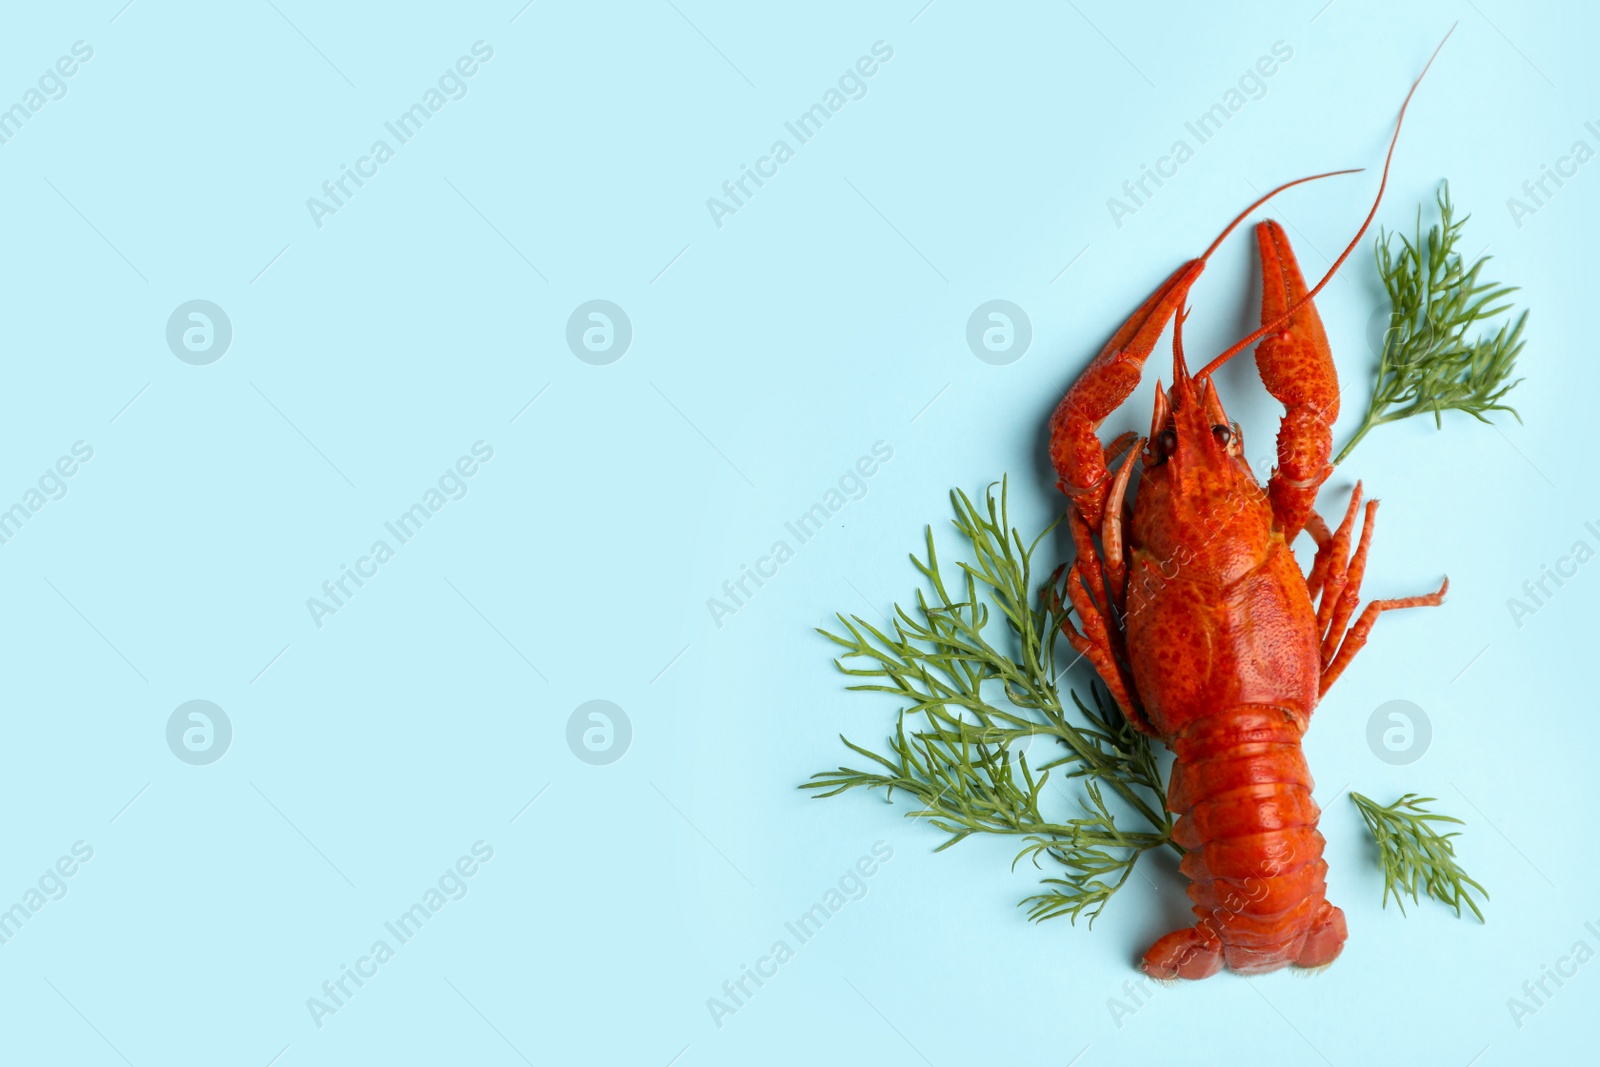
{"x": 1243, "y": 793}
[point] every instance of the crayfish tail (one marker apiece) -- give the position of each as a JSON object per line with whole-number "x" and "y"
{"x": 1242, "y": 792}
{"x": 1325, "y": 939}
{"x": 1190, "y": 953}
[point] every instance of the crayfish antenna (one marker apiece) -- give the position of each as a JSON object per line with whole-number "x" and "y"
{"x": 1383, "y": 183}
{"x": 1182, "y": 384}
{"x": 1268, "y": 196}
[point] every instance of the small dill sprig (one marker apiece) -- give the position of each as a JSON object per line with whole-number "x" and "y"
{"x": 1415, "y": 856}
{"x": 979, "y": 697}
{"x": 1428, "y": 364}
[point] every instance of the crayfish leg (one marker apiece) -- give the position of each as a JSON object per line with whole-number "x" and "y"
{"x": 1111, "y": 533}
{"x": 1317, "y": 527}
{"x": 1095, "y": 643}
{"x": 1340, "y": 580}
{"x": 1356, "y": 638}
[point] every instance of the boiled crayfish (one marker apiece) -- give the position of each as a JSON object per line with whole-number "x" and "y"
{"x": 1199, "y": 620}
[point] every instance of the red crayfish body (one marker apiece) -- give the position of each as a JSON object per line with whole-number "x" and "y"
{"x": 1219, "y": 628}
{"x": 1197, "y": 616}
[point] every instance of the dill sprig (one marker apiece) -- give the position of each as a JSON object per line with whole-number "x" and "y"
{"x": 1415, "y": 856}
{"x": 1428, "y": 364}
{"x": 980, "y": 696}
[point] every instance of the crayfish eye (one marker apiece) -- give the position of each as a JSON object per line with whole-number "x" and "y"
{"x": 1223, "y": 434}
{"x": 1166, "y": 444}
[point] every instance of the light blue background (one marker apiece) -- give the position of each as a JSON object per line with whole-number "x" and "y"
{"x": 829, "y": 313}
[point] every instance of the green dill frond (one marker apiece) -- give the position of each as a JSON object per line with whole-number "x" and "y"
{"x": 1428, "y": 363}
{"x": 1415, "y": 856}
{"x": 984, "y": 729}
